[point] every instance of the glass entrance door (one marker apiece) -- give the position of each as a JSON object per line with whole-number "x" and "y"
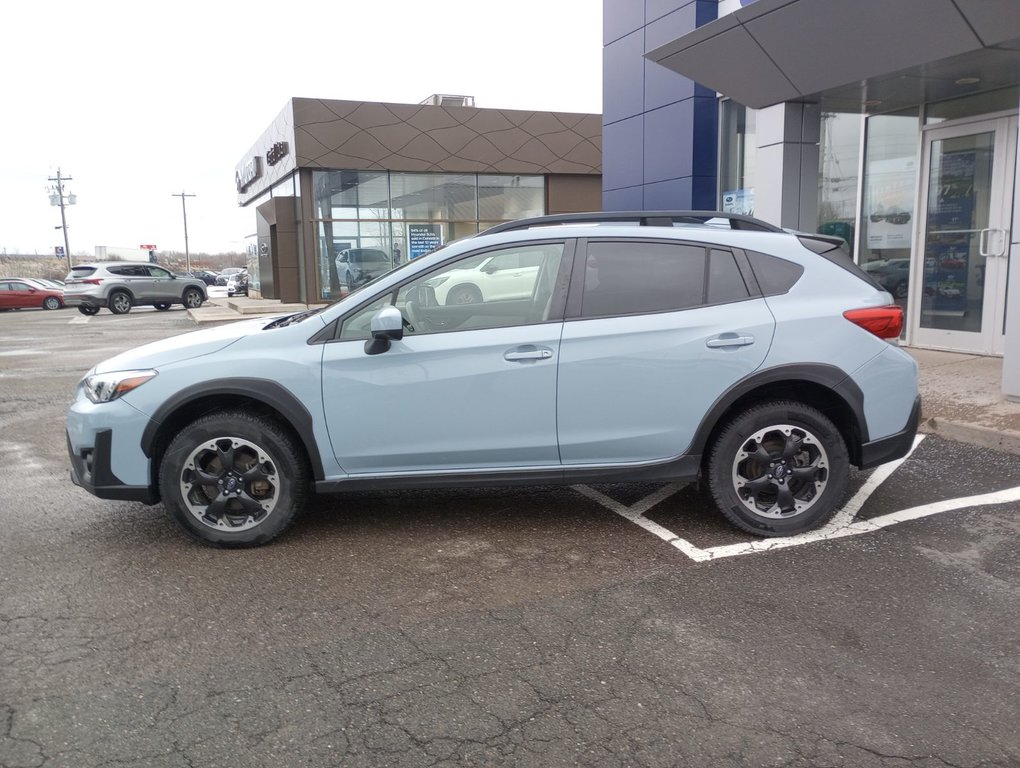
{"x": 959, "y": 301}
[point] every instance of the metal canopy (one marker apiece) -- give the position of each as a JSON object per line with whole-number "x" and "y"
{"x": 853, "y": 54}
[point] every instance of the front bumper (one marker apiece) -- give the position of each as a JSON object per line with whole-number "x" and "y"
{"x": 90, "y": 469}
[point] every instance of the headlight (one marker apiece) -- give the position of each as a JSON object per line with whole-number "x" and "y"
{"x": 104, "y": 387}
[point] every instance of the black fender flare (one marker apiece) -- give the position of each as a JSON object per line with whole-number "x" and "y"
{"x": 828, "y": 376}
{"x": 270, "y": 393}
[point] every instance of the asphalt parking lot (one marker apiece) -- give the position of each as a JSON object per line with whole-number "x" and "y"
{"x": 594, "y": 626}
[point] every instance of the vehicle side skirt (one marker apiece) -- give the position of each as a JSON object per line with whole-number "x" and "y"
{"x": 679, "y": 469}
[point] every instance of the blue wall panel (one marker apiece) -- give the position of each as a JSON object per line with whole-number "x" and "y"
{"x": 659, "y": 141}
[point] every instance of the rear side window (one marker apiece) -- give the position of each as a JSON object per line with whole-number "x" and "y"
{"x": 774, "y": 275}
{"x": 129, "y": 271}
{"x": 725, "y": 282}
{"x": 626, "y": 278}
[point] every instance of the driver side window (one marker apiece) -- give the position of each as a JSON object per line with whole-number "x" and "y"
{"x": 493, "y": 289}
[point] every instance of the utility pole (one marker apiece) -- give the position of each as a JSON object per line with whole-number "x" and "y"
{"x": 184, "y": 209}
{"x": 57, "y": 198}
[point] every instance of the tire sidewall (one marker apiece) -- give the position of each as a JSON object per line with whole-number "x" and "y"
{"x": 740, "y": 429}
{"x": 264, "y": 433}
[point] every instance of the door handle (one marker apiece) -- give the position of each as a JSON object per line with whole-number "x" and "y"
{"x": 983, "y": 239}
{"x": 529, "y": 352}
{"x": 729, "y": 340}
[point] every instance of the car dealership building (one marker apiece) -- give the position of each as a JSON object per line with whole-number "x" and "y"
{"x": 892, "y": 123}
{"x": 329, "y": 178}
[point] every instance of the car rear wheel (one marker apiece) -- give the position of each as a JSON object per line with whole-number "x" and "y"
{"x": 88, "y": 309}
{"x": 464, "y": 294}
{"x": 779, "y": 469}
{"x": 193, "y": 298}
{"x": 233, "y": 479}
{"x": 51, "y": 302}
{"x": 120, "y": 303}
{"x": 162, "y": 307}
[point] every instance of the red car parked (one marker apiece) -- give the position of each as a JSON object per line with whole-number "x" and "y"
{"x": 19, "y": 293}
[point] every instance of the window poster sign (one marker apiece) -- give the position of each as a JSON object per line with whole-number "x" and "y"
{"x": 423, "y": 238}
{"x": 948, "y": 252}
{"x": 890, "y": 202}
{"x": 739, "y": 201}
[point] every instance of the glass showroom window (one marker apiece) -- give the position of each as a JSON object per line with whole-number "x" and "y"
{"x": 737, "y": 154}
{"x": 887, "y": 213}
{"x": 839, "y": 156}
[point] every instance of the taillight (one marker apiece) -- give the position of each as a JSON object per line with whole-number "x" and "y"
{"x": 885, "y": 322}
{"x": 91, "y": 280}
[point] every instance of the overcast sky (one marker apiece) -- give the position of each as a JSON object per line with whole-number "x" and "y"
{"x": 138, "y": 101}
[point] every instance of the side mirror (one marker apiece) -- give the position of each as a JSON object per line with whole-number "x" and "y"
{"x": 387, "y": 325}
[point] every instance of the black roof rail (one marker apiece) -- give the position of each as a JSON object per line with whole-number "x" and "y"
{"x": 642, "y": 218}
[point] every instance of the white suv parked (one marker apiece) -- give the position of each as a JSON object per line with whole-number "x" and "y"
{"x": 121, "y": 285}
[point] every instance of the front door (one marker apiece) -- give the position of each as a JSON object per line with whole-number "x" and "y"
{"x": 963, "y": 242}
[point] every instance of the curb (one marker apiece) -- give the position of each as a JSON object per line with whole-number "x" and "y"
{"x": 1005, "y": 440}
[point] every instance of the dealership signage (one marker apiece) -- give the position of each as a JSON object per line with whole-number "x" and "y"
{"x": 277, "y": 152}
{"x": 247, "y": 173}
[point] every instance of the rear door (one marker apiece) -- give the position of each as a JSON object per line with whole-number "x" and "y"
{"x": 655, "y": 332}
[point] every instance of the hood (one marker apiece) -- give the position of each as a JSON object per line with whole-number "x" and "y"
{"x": 183, "y": 347}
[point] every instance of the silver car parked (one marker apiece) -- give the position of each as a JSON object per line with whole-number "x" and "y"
{"x": 120, "y": 285}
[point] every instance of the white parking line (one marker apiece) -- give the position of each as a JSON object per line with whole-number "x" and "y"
{"x": 81, "y": 319}
{"x": 842, "y": 523}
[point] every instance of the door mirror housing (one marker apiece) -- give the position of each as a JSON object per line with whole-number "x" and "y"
{"x": 387, "y": 325}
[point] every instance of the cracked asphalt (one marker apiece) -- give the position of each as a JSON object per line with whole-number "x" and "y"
{"x": 491, "y": 627}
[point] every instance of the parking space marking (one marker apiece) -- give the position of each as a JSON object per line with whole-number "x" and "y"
{"x": 842, "y": 524}
{"x": 81, "y": 319}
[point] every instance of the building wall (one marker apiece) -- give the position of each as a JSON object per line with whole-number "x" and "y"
{"x": 365, "y": 136}
{"x": 660, "y": 130}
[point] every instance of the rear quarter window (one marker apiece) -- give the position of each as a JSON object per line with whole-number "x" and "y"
{"x": 775, "y": 276}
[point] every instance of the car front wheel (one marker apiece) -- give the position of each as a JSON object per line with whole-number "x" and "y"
{"x": 233, "y": 479}
{"x": 193, "y": 298}
{"x": 51, "y": 302}
{"x": 778, "y": 469}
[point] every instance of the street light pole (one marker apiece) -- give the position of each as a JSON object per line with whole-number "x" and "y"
{"x": 59, "y": 187}
{"x": 184, "y": 209}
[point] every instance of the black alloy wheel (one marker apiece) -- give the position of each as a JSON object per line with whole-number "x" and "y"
{"x": 779, "y": 469}
{"x": 234, "y": 479}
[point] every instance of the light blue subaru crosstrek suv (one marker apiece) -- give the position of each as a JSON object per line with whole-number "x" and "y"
{"x": 647, "y": 346}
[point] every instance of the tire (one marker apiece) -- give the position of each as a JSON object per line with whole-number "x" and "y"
{"x": 162, "y": 307}
{"x": 257, "y": 479}
{"x": 463, "y": 294}
{"x": 778, "y": 469}
{"x": 900, "y": 292}
{"x": 88, "y": 309}
{"x": 120, "y": 303}
{"x": 193, "y": 298}
{"x": 51, "y": 302}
